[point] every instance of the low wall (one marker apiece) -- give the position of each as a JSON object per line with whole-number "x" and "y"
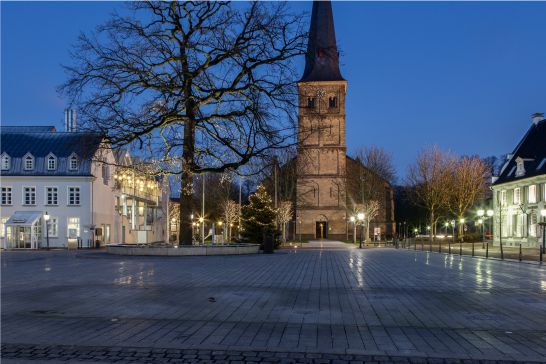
{"x": 184, "y": 250}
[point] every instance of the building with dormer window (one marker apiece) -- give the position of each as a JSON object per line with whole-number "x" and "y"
{"x": 519, "y": 192}
{"x": 92, "y": 196}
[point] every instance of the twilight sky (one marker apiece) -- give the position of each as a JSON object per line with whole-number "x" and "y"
{"x": 466, "y": 76}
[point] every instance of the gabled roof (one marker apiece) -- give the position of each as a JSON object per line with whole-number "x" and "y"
{"x": 41, "y": 144}
{"x": 532, "y": 150}
{"x": 322, "y": 57}
{"x": 17, "y": 144}
{"x": 27, "y": 129}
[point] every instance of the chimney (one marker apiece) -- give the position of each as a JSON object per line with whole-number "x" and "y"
{"x": 70, "y": 120}
{"x": 537, "y": 117}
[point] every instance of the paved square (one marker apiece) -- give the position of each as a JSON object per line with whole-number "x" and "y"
{"x": 347, "y": 302}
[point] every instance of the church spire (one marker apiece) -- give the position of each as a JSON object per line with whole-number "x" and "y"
{"x": 322, "y": 58}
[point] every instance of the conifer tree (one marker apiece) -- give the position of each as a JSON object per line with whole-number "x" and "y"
{"x": 258, "y": 217}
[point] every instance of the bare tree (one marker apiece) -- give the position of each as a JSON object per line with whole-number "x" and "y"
{"x": 284, "y": 215}
{"x": 370, "y": 210}
{"x": 429, "y": 179}
{"x": 201, "y": 86}
{"x": 230, "y": 213}
{"x": 467, "y": 183}
{"x": 377, "y": 160}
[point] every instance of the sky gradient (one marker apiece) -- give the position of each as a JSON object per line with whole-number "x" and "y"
{"x": 466, "y": 76}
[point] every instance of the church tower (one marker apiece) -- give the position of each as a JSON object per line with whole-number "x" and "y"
{"x": 321, "y": 159}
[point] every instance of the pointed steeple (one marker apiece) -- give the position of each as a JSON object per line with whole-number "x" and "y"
{"x": 322, "y": 58}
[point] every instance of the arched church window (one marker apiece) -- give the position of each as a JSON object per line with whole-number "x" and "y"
{"x": 332, "y": 102}
{"x": 311, "y": 104}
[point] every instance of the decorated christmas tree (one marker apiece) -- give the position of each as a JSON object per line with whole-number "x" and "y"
{"x": 258, "y": 217}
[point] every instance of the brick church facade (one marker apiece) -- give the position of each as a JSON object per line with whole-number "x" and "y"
{"x": 325, "y": 192}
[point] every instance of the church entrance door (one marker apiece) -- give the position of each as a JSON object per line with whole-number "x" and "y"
{"x": 321, "y": 230}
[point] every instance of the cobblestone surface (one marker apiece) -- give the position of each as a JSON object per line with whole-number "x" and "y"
{"x": 330, "y": 303}
{"x": 158, "y": 355}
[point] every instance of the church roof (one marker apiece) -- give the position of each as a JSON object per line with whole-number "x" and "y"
{"x": 531, "y": 151}
{"x": 322, "y": 57}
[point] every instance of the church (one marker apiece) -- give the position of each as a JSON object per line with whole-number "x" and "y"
{"x": 328, "y": 182}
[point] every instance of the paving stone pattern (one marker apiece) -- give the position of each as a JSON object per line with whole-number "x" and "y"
{"x": 157, "y": 355}
{"x": 380, "y": 303}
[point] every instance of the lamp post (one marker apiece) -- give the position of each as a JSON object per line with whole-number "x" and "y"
{"x": 543, "y": 223}
{"x": 353, "y": 220}
{"x": 461, "y": 221}
{"x": 446, "y": 225}
{"x": 46, "y": 219}
{"x": 453, "y": 230}
{"x": 360, "y": 217}
{"x": 481, "y": 214}
{"x": 220, "y": 223}
{"x": 202, "y": 222}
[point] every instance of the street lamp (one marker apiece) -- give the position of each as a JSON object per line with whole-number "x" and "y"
{"x": 543, "y": 223}
{"x": 202, "y": 222}
{"x": 46, "y": 219}
{"x": 446, "y": 225}
{"x": 353, "y": 220}
{"x": 360, "y": 217}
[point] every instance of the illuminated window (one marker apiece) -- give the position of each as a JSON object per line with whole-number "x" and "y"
{"x": 532, "y": 194}
{"x": 517, "y": 196}
{"x": 73, "y": 227}
{"x": 3, "y": 226}
{"x": 53, "y": 226}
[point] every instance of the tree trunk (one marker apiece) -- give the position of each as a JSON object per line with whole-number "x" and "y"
{"x": 186, "y": 186}
{"x": 431, "y": 231}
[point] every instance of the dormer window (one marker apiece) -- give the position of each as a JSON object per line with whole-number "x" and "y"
{"x": 332, "y": 102}
{"x": 520, "y": 168}
{"x": 311, "y": 104}
{"x": 73, "y": 162}
{"x": 6, "y": 162}
{"x": 28, "y": 162}
{"x": 51, "y": 163}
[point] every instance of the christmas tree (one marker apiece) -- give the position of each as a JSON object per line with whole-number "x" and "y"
{"x": 258, "y": 217}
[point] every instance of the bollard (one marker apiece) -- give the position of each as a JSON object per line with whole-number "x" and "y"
{"x": 415, "y": 245}
{"x": 439, "y": 247}
{"x": 502, "y": 251}
{"x": 449, "y": 245}
{"x": 520, "y": 252}
{"x": 486, "y": 250}
{"x": 461, "y": 248}
{"x": 472, "y": 248}
{"x": 540, "y": 254}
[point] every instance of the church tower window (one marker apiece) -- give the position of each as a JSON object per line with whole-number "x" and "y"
{"x": 332, "y": 102}
{"x": 311, "y": 102}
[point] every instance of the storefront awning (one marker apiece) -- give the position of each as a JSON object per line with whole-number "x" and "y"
{"x": 24, "y": 218}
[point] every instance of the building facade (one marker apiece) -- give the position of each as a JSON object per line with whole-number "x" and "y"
{"x": 61, "y": 189}
{"x": 322, "y": 197}
{"x": 519, "y": 192}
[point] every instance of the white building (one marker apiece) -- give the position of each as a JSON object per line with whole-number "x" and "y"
{"x": 72, "y": 178}
{"x": 519, "y": 192}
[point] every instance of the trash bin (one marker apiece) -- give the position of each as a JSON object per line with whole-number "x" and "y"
{"x": 268, "y": 244}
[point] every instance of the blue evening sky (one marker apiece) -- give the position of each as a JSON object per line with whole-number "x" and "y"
{"x": 463, "y": 75}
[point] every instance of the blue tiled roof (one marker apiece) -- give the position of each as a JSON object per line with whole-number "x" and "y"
{"x": 531, "y": 148}
{"x": 41, "y": 144}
